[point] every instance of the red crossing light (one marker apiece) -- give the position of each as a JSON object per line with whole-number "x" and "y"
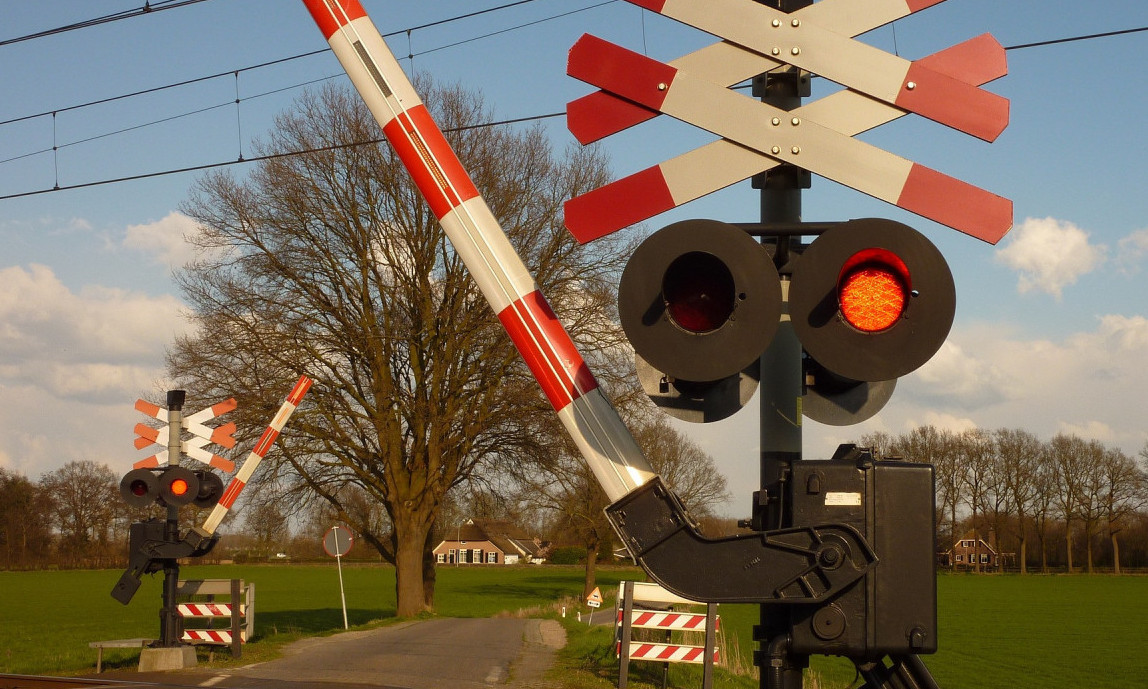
{"x": 873, "y": 290}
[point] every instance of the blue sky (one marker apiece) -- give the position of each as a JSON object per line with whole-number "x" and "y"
{"x": 1051, "y": 332}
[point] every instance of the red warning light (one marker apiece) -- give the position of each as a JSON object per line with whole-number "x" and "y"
{"x": 179, "y": 487}
{"x": 873, "y": 290}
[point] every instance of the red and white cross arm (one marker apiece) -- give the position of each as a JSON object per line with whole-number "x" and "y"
{"x": 781, "y": 136}
{"x": 256, "y": 455}
{"x": 717, "y": 165}
{"x": 600, "y": 114}
{"x": 476, "y": 235}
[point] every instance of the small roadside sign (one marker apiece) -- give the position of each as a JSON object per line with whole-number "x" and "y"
{"x": 594, "y": 600}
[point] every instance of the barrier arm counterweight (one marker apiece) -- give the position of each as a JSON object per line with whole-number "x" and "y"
{"x": 651, "y": 520}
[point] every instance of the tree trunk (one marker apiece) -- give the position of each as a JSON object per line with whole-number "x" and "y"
{"x": 1088, "y": 529}
{"x": 591, "y": 563}
{"x": 410, "y": 545}
{"x": 429, "y": 573}
{"x": 1115, "y": 554}
{"x": 1068, "y": 543}
{"x": 1023, "y": 555}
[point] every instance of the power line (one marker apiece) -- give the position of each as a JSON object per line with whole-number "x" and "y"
{"x": 148, "y": 8}
{"x": 272, "y": 156}
{"x": 241, "y": 159}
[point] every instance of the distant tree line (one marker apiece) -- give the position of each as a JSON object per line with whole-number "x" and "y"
{"x": 1062, "y": 504}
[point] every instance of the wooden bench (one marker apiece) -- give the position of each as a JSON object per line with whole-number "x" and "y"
{"x": 115, "y": 643}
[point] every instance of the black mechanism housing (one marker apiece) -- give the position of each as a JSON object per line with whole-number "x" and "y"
{"x": 855, "y": 565}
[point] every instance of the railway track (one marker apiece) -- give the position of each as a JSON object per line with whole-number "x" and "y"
{"x": 43, "y": 682}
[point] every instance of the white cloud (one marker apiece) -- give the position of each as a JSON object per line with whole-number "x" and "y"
{"x": 97, "y": 343}
{"x": 1132, "y": 249}
{"x": 163, "y": 240}
{"x": 1049, "y": 254}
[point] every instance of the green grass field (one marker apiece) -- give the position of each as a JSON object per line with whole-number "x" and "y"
{"x": 995, "y": 631}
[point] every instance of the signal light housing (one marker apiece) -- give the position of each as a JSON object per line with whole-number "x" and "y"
{"x": 173, "y": 486}
{"x": 888, "y": 331}
{"x": 699, "y": 300}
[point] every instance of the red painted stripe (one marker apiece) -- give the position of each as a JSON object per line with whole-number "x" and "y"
{"x": 618, "y": 204}
{"x": 231, "y": 493}
{"x": 642, "y": 618}
{"x": 222, "y": 464}
{"x": 695, "y": 621}
{"x": 332, "y": 14}
{"x": 547, "y": 349}
{"x": 667, "y": 620}
{"x": 918, "y": 5}
{"x": 147, "y": 408}
{"x": 266, "y": 441}
{"x": 976, "y": 61}
{"x": 692, "y": 654}
{"x": 953, "y": 103}
{"x": 654, "y": 5}
{"x": 147, "y": 434}
{"x": 301, "y": 387}
{"x": 432, "y": 163}
{"x": 958, "y": 204}
{"x": 221, "y": 408}
{"x": 640, "y": 651}
{"x": 222, "y": 435}
{"x": 667, "y": 652}
{"x": 620, "y": 71}
{"x": 598, "y": 115}
{"x": 148, "y": 463}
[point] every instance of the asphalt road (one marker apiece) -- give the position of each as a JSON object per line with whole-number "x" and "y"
{"x": 440, "y": 653}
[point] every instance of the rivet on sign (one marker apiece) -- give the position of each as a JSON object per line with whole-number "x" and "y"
{"x": 911, "y": 85}
{"x": 796, "y": 150}
{"x": 776, "y": 121}
{"x": 776, "y": 23}
{"x": 776, "y": 51}
{"x": 796, "y": 50}
{"x": 795, "y": 121}
{"x": 662, "y": 86}
{"x": 796, "y": 23}
{"x": 775, "y": 150}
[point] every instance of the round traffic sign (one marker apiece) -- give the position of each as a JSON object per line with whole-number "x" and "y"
{"x": 338, "y": 541}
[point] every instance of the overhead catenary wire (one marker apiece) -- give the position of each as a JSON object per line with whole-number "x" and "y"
{"x": 234, "y": 72}
{"x": 147, "y": 8}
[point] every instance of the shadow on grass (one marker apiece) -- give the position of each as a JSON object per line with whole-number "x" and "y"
{"x": 314, "y": 621}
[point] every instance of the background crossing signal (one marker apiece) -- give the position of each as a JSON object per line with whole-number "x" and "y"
{"x": 171, "y": 486}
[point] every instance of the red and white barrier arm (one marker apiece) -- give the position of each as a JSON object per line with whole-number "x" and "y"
{"x": 476, "y": 235}
{"x": 256, "y": 456}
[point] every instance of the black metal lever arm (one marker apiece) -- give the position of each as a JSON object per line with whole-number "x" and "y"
{"x": 799, "y": 565}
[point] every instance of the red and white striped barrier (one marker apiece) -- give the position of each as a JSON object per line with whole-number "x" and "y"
{"x": 476, "y": 235}
{"x": 206, "y": 610}
{"x": 669, "y": 653}
{"x": 252, "y": 462}
{"x": 208, "y": 636}
{"x": 648, "y": 619}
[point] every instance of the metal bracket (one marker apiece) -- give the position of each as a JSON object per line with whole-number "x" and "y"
{"x": 788, "y": 566}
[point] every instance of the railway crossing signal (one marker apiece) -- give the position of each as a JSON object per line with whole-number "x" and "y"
{"x": 173, "y": 486}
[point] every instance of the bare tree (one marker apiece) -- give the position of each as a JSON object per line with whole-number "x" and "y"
{"x": 330, "y": 264}
{"x": 83, "y": 497}
{"x": 1066, "y": 453}
{"x": 976, "y": 451}
{"x": 25, "y": 529}
{"x": 1018, "y": 454}
{"x": 930, "y": 445}
{"x": 1125, "y": 486}
{"x": 1090, "y": 498}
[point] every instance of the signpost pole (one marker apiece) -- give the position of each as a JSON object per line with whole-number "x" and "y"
{"x": 337, "y": 546}
{"x": 342, "y": 594}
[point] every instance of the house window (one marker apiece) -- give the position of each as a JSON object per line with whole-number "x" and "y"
{"x": 452, "y": 556}
{"x": 966, "y": 544}
{"x": 476, "y": 555}
{"x": 440, "y": 558}
{"x": 984, "y": 557}
{"x": 960, "y": 558}
{"x": 492, "y": 557}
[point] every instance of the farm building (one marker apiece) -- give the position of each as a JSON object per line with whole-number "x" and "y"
{"x": 970, "y": 551}
{"x": 490, "y": 543}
